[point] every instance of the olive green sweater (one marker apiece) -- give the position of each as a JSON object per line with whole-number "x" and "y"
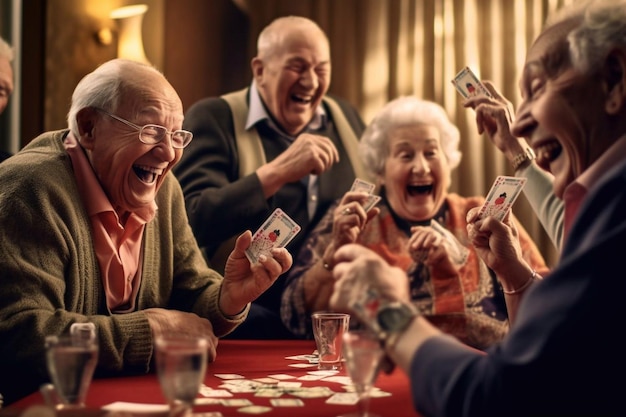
{"x": 49, "y": 274}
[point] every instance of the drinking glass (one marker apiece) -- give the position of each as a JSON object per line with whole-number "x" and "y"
{"x": 328, "y": 329}
{"x": 181, "y": 366}
{"x": 363, "y": 354}
{"x": 71, "y": 360}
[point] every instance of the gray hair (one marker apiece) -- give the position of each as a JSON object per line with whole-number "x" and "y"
{"x": 272, "y": 35}
{"x": 602, "y": 27}
{"x": 6, "y": 50}
{"x": 402, "y": 111}
{"x": 103, "y": 88}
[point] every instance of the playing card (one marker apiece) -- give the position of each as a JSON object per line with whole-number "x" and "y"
{"x": 254, "y": 409}
{"x": 276, "y": 232}
{"x": 468, "y": 84}
{"x": 302, "y": 365}
{"x": 345, "y": 398}
{"x": 458, "y": 252}
{"x": 229, "y": 376}
{"x": 371, "y": 201}
{"x": 281, "y": 377}
{"x": 287, "y": 402}
{"x": 362, "y": 185}
{"x": 367, "y": 187}
{"x": 501, "y": 197}
{"x": 237, "y": 402}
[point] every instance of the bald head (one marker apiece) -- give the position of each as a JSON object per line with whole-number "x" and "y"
{"x": 119, "y": 80}
{"x": 273, "y": 37}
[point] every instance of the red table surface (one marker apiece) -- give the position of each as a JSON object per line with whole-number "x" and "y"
{"x": 252, "y": 359}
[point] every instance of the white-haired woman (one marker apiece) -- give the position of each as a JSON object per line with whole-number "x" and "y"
{"x": 410, "y": 147}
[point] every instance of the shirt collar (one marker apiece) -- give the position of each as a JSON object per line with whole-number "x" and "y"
{"x": 93, "y": 196}
{"x": 257, "y": 112}
{"x": 610, "y": 158}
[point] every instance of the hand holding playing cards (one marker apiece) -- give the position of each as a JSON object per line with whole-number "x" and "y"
{"x": 244, "y": 282}
{"x": 349, "y": 219}
{"x": 494, "y": 116}
{"x": 497, "y": 244}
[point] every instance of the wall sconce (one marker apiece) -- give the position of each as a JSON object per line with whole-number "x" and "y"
{"x": 130, "y": 41}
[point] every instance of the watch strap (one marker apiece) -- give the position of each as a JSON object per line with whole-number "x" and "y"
{"x": 523, "y": 158}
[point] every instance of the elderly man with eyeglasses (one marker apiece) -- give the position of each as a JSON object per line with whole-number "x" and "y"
{"x": 94, "y": 229}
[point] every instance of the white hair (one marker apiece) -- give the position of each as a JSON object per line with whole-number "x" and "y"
{"x": 403, "y": 111}
{"x": 102, "y": 88}
{"x": 602, "y": 27}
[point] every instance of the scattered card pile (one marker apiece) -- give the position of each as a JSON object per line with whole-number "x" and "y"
{"x": 281, "y": 390}
{"x": 468, "y": 84}
{"x": 501, "y": 197}
{"x": 276, "y": 232}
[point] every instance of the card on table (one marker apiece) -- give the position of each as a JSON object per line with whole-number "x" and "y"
{"x": 468, "y": 84}
{"x": 276, "y": 232}
{"x": 501, "y": 197}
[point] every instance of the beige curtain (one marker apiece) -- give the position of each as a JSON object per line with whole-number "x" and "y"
{"x": 382, "y": 49}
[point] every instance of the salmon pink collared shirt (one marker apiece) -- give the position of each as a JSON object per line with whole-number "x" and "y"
{"x": 118, "y": 244}
{"x": 575, "y": 193}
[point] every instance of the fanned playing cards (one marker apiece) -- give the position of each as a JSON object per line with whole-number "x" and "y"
{"x": 364, "y": 186}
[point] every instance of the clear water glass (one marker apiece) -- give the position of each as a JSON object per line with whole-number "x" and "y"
{"x": 363, "y": 355}
{"x": 181, "y": 362}
{"x": 71, "y": 360}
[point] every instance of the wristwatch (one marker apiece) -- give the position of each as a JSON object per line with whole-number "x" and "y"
{"x": 523, "y": 159}
{"x": 392, "y": 319}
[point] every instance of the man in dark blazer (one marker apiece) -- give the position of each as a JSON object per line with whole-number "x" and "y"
{"x": 281, "y": 143}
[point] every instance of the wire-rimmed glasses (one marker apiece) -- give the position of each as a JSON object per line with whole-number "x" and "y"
{"x": 152, "y": 134}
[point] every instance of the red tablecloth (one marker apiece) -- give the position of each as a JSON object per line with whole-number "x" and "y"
{"x": 252, "y": 359}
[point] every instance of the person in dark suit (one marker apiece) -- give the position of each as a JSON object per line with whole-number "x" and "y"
{"x": 280, "y": 143}
{"x": 565, "y": 351}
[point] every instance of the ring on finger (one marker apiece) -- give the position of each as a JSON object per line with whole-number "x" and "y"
{"x": 346, "y": 211}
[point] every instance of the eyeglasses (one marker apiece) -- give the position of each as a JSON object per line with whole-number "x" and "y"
{"x": 152, "y": 134}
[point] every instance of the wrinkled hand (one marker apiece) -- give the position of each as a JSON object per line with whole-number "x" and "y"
{"x": 358, "y": 269}
{"x": 494, "y": 116}
{"x": 428, "y": 246}
{"x": 243, "y": 282}
{"x": 496, "y": 242}
{"x": 164, "y": 321}
{"x": 349, "y": 220}
{"x": 308, "y": 154}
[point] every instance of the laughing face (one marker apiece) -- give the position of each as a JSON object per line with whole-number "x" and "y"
{"x": 562, "y": 112}
{"x": 6, "y": 82}
{"x": 129, "y": 170}
{"x": 294, "y": 76}
{"x": 416, "y": 175}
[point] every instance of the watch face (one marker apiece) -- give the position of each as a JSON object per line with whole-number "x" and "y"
{"x": 393, "y": 318}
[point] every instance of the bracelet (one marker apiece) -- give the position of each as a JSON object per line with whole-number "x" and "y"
{"x": 533, "y": 277}
{"x": 523, "y": 158}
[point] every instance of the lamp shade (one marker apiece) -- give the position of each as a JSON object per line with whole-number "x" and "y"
{"x": 130, "y": 40}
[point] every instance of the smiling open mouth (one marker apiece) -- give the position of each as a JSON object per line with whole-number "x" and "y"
{"x": 414, "y": 190}
{"x": 147, "y": 174}
{"x": 301, "y": 99}
{"x": 547, "y": 153}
